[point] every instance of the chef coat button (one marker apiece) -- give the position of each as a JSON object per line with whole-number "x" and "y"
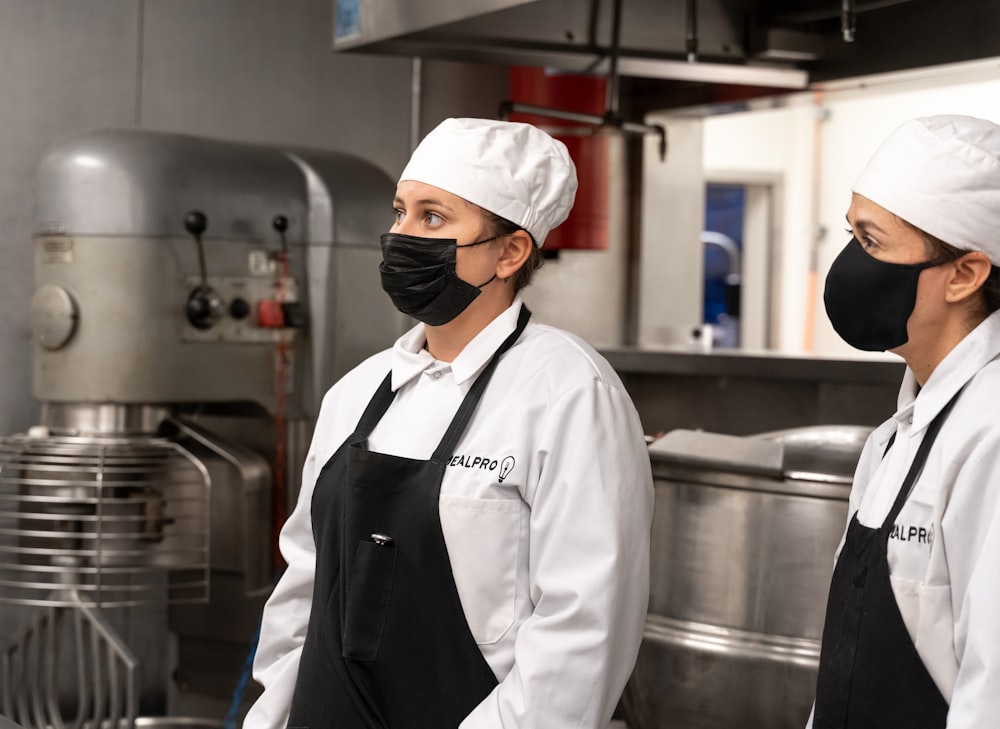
{"x": 381, "y": 539}
{"x": 436, "y": 375}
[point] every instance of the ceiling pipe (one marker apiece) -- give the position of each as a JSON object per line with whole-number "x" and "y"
{"x": 595, "y": 11}
{"x": 810, "y": 16}
{"x": 692, "y": 31}
{"x": 847, "y": 20}
{"x": 611, "y": 107}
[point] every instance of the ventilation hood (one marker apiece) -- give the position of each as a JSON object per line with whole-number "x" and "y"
{"x": 775, "y": 44}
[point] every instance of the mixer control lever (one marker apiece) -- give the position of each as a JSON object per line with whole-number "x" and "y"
{"x": 280, "y": 224}
{"x": 196, "y": 223}
{"x": 204, "y": 307}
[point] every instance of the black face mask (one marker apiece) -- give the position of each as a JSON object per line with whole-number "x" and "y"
{"x": 869, "y": 301}
{"x": 419, "y": 276}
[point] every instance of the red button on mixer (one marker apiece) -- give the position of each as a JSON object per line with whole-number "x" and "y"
{"x": 270, "y": 315}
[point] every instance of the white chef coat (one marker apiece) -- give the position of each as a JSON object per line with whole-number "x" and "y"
{"x": 546, "y": 509}
{"x": 944, "y": 550}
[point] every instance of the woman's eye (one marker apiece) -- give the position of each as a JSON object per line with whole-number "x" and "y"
{"x": 433, "y": 219}
{"x": 864, "y": 240}
{"x": 397, "y": 216}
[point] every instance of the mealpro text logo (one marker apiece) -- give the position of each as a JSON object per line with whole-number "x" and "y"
{"x": 502, "y": 467}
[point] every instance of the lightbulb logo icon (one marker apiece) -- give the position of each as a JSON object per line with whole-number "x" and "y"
{"x": 506, "y": 466}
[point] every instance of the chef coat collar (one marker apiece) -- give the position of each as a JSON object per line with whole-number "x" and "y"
{"x": 410, "y": 358}
{"x": 920, "y": 405}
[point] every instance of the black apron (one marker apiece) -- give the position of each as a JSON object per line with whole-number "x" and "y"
{"x": 388, "y": 645}
{"x": 870, "y": 674}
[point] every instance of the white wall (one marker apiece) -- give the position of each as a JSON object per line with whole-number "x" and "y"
{"x": 777, "y": 143}
{"x": 671, "y": 290}
{"x": 840, "y": 126}
{"x": 585, "y": 291}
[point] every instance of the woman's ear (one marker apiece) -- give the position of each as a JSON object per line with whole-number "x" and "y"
{"x": 968, "y": 275}
{"x": 516, "y": 248}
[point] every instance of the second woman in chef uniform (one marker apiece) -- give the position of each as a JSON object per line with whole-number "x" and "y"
{"x": 912, "y": 633}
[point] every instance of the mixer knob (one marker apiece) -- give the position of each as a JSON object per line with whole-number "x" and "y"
{"x": 195, "y": 222}
{"x": 204, "y": 307}
{"x": 54, "y": 316}
{"x": 239, "y": 308}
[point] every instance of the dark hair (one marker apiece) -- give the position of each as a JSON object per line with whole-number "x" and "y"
{"x": 500, "y": 227}
{"x": 945, "y": 252}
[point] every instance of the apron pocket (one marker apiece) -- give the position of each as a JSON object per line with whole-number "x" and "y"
{"x": 483, "y": 538}
{"x": 368, "y": 589}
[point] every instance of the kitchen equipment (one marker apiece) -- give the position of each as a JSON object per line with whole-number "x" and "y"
{"x": 743, "y": 542}
{"x": 194, "y": 298}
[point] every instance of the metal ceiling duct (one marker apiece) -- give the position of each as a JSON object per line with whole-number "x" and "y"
{"x": 566, "y": 35}
{"x": 772, "y": 44}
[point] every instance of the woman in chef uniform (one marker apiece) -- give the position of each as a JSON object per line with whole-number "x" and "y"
{"x": 912, "y": 632}
{"x": 471, "y": 543}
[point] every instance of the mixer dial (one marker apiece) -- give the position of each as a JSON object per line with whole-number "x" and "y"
{"x": 204, "y": 307}
{"x": 239, "y": 308}
{"x": 54, "y": 316}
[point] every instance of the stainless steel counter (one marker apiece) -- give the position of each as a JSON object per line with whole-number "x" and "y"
{"x": 729, "y": 391}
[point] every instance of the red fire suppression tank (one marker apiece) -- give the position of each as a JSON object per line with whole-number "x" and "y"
{"x": 587, "y": 225}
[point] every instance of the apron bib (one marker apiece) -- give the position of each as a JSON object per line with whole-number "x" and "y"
{"x": 388, "y": 645}
{"x": 870, "y": 674}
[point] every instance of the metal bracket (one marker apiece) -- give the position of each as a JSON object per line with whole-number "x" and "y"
{"x": 611, "y": 117}
{"x": 509, "y": 107}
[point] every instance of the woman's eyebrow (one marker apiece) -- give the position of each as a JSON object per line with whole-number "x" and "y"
{"x": 425, "y": 201}
{"x": 863, "y": 223}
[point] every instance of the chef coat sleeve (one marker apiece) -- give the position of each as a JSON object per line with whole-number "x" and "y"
{"x": 286, "y": 614}
{"x": 590, "y": 496}
{"x": 972, "y": 544}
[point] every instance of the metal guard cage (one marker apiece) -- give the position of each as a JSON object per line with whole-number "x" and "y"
{"x": 102, "y": 521}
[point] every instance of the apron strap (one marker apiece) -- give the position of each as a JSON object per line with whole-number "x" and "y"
{"x": 918, "y": 461}
{"x": 446, "y": 448}
{"x": 384, "y": 396}
{"x": 377, "y": 406}
{"x": 892, "y": 439}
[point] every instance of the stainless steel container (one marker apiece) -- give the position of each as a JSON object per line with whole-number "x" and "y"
{"x": 744, "y": 534}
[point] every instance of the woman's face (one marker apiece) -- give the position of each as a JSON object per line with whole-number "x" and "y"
{"x": 429, "y": 212}
{"x": 883, "y": 235}
{"x": 886, "y": 237}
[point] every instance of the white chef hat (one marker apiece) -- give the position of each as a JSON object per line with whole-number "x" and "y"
{"x": 941, "y": 174}
{"x": 513, "y": 170}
